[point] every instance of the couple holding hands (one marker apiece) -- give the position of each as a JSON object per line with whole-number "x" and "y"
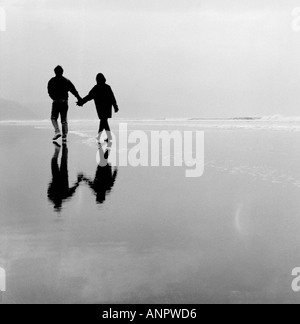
{"x": 102, "y": 94}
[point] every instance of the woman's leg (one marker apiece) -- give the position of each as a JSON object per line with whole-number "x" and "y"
{"x": 107, "y": 129}
{"x": 101, "y": 129}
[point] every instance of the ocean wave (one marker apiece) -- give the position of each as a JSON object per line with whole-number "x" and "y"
{"x": 280, "y": 118}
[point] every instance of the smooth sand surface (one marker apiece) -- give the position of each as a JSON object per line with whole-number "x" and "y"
{"x": 151, "y": 235}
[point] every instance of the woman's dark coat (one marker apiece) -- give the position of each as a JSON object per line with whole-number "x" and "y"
{"x": 104, "y": 99}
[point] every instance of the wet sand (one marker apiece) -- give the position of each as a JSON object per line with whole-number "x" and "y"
{"x": 150, "y": 235}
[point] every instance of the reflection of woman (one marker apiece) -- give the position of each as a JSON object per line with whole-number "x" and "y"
{"x": 105, "y": 177}
{"x": 59, "y": 190}
{"x": 104, "y": 99}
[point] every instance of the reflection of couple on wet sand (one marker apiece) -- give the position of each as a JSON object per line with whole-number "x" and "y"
{"x": 59, "y": 190}
{"x": 102, "y": 94}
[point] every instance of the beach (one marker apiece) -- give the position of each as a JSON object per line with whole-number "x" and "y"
{"x": 150, "y": 234}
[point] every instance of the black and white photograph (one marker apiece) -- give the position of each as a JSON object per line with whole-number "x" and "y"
{"x": 149, "y": 154}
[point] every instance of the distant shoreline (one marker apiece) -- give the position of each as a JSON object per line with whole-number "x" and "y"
{"x": 119, "y": 120}
{"x": 138, "y": 119}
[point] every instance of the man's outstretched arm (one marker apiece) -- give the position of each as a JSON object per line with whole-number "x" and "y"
{"x": 86, "y": 99}
{"x": 74, "y": 92}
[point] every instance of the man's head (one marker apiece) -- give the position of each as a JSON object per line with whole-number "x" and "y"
{"x": 59, "y": 71}
{"x": 100, "y": 78}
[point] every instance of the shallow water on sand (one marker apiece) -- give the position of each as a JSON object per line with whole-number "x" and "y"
{"x": 149, "y": 235}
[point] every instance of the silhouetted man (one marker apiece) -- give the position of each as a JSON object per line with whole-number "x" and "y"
{"x": 59, "y": 189}
{"x": 58, "y": 89}
{"x": 104, "y": 99}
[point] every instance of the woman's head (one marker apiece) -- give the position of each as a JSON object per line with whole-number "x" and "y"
{"x": 100, "y": 78}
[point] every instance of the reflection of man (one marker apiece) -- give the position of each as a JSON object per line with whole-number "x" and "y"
{"x": 58, "y": 89}
{"x": 59, "y": 190}
{"x": 105, "y": 177}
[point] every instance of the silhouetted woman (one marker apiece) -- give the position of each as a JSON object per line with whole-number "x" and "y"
{"x": 105, "y": 100}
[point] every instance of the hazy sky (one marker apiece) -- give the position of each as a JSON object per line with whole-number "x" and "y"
{"x": 163, "y": 58}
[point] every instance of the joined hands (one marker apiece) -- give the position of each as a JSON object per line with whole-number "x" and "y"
{"x": 80, "y": 102}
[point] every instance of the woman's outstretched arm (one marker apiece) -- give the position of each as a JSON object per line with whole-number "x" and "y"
{"x": 86, "y": 99}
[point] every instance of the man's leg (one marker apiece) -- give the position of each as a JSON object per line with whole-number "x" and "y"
{"x": 54, "y": 118}
{"x": 64, "y": 119}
